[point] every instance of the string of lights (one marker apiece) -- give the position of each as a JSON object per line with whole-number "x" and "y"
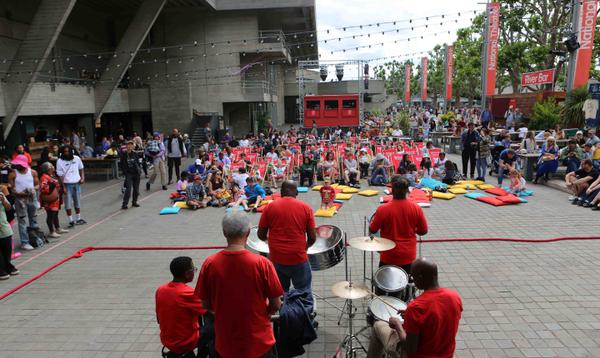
{"x": 213, "y": 44}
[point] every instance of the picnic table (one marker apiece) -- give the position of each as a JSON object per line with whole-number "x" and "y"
{"x": 559, "y": 142}
{"x": 106, "y": 168}
{"x": 437, "y": 136}
{"x": 453, "y": 142}
{"x": 529, "y": 167}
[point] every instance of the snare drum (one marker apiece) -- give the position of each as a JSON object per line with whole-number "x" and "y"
{"x": 391, "y": 279}
{"x": 379, "y": 311}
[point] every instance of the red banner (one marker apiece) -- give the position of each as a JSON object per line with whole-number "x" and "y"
{"x": 407, "y": 76}
{"x": 424, "y": 62}
{"x": 537, "y": 78}
{"x": 587, "y": 26}
{"x": 449, "y": 70}
{"x": 492, "y": 47}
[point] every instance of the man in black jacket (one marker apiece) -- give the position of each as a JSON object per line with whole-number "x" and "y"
{"x": 175, "y": 151}
{"x": 470, "y": 141}
{"x": 130, "y": 164}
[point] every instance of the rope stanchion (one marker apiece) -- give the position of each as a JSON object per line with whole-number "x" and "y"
{"x": 81, "y": 252}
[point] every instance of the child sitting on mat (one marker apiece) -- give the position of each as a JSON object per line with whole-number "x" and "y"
{"x": 238, "y": 198}
{"x": 327, "y": 194}
{"x": 517, "y": 182}
{"x": 449, "y": 173}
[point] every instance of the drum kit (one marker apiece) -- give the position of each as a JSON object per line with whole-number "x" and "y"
{"x": 329, "y": 250}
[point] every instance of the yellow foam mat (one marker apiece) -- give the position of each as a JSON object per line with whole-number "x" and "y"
{"x": 458, "y": 191}
{"x": 349, "y": 190}
{"x": 341, "y": 196}
{"x": 326, "y": 212}
{"x": 445, "y": 196}
{"x": 368, "y": 192}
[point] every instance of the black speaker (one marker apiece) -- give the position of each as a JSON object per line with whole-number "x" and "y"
{"x": 572, "y": 44}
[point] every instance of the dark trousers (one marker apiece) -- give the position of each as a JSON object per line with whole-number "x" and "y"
{"x": 300, "y": 275}
{"x": 132, "y": 182}
{"x": 468, "y": 155}
{"x": 589, "y": 197}
{"x": 572, "y": 164}
{"x": 5, "y": 255}
{"x": 364, "y": 170}
{"x": 306, "y": 175}
{"x": 173, "y": 162}
{"x": 52, "y": 220}
{"x": 402, "y": 294}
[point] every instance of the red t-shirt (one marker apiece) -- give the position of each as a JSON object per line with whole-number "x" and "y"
{"x": 399, "y": 221}
{"x": 434, "y": 316}
{"x": 177, "y": 311}
{"x": 287, "y": 220}
{"x": 237, "y": 285}
{"x": 327, "y": 194}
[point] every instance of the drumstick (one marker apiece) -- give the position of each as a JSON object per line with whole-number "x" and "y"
{"x": 382, "y": 300}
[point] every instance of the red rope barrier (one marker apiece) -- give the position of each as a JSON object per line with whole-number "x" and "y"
{"x": 81, "y": 252}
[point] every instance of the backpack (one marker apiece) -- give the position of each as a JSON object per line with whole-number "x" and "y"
{"x": 36, "y": 237}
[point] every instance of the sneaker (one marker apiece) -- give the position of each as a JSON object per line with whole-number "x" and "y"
{"x": 164, "y": 187}
{"x": 14, "y": 272}
{"x": 135, "y": 205}
{"x": 72, "y": 224}
{"x": 596, "y": 207}
{"x": 54, "y": 235}
{"x": 575, "y": 202}
{"x": 27, "y": 247}
{"x": 586, "y": 204}
{"x": 80, "y": 222}
{"x": 579, "y": 202}
{"x": 122, "y": 190}
{"x": 572, "y": 197}
{"x": 124, "y": 207}
{"x": 62, "y": 231}
{"x": 147, "y": 186}
{"x": 4, "y": 276}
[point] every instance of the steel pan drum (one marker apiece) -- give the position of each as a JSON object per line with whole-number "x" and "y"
{"x": 381, "y": 312}
{"x": 327, "y": 251}
{"x": 391, "y": 278}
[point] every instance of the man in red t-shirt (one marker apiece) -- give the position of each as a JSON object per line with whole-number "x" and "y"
{"x": 243, "y": 291}
{"x": 178, "y": 309}
{"x": 430, "y": 321}
{"x": 289, "y": 226}
{"x": 401, "y": 221}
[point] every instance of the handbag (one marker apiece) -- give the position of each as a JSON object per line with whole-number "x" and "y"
{"x": 50, "y": 197}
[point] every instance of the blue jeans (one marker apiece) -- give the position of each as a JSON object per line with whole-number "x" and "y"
{"x": 73, "y": 192}
{"x": 572, "y": 164}
{"x": 25, "y": 209}
{"x": 378, "y": 177}
{"x": 481, "y": 167}
{"x": 300, "y": 275}
{"x": 500, "y": 175}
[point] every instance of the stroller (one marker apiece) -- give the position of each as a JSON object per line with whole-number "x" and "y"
{"x": 496, "y": 150}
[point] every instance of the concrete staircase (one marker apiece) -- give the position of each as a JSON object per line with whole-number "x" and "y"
{"x": 199, "y": 137}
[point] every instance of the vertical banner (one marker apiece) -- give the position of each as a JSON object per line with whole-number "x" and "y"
{"x": 424, "y": 62}
{"x": 449, "y": 70}
{"x": 585, "y": 37}
{"x": 492, "y": 47}
{"x": 407, "y": 76}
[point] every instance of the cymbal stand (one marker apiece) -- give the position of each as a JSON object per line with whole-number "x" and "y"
{"x": 348, "y": 343}
{"x": 343, "y": 310}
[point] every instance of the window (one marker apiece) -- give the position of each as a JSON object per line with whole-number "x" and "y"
{"x": 349, "y": 104}
{"x": 314, "y": 105}
{"x": 331, "y": 104}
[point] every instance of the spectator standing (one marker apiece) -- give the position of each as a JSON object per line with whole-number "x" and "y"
{"x": 130, "y": 165}
{"x": 6, "y": 267}
{"x": 175, "y": 151}
{"x": 470, "y": 140}
{"x": 24, "y": 182}
{"x": 50, "y": 194}
{"x": 483, "y": 153}
{"x": 156, "y": 152}
{"x": 69, "y": 169}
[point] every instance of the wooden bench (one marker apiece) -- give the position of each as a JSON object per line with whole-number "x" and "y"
{"x": 105, "y": 169}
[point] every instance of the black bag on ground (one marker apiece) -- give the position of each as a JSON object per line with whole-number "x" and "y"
{"x": 36, "y": 237}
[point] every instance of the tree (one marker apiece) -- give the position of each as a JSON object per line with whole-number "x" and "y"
{"x": 467, "y": 61}
{"x": 393, "y": 75}
{"x": 436, "y": 73}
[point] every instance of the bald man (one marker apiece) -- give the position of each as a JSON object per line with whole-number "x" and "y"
{"x": 288, "y": 226}
{"x": 430, "y": 321}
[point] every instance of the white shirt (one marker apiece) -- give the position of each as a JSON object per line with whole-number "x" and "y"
{"x": 590, "y": 108}
{"x": 240, "y": 179}
{"x": 69, "y": 170}
{"x": 523, "y": 132}
{"x": 272, "y": 155}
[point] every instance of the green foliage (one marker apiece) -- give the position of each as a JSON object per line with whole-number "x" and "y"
{"x": 393, "y": 74}
{"x": 546, "y": 114}
{"x": 446, "y": 117}
{"x": 573, "y": 108}
{"x": 467, "y": 60}
{"x": 402, "y": 121}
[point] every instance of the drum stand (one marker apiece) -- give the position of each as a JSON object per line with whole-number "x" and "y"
{"x": 350, "y": 343}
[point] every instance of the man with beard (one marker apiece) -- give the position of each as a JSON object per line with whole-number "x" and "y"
{"x": 69, "y": 168}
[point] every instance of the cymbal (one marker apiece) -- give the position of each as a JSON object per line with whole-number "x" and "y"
{"x": 349, "y": 290}
{"x": 367, "y": 243}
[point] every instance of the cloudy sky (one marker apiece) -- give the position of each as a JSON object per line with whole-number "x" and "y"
{"x": 333, "y": 15}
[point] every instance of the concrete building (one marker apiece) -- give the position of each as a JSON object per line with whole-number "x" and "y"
{"x": 107, "y": 66}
